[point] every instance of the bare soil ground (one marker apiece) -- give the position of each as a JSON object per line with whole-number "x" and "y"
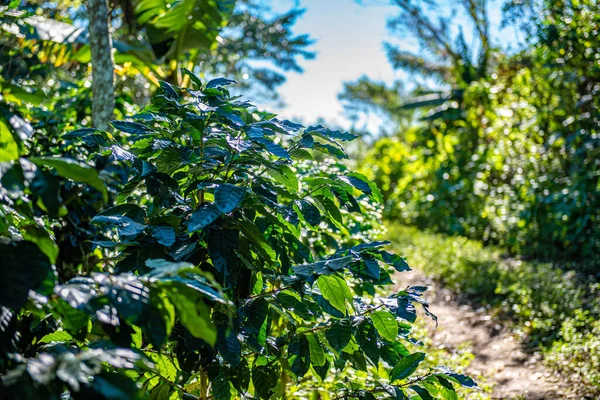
{"x": 499, "y": 355}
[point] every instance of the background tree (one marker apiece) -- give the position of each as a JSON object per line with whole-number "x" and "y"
{"x": 445, "y": 59}
{"x": 103, "y": 93}
{"x": 492, "y": 157}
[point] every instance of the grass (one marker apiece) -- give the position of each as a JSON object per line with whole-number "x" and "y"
{"x": 457, "y": 359}
{"x": 554, "y": 309}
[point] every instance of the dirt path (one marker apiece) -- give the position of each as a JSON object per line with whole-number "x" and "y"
{"x": 498, "y": 354}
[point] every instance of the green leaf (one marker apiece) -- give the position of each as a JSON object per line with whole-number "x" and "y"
{"x": 317, "y": 355}
{"x": 446, "y": 390}
{"x": 332, "y": 209}
{"x": 360, "y": 182}
{"x": 46, "y": 187}
{"x": 221, "y": 388}
{"x": 229, "y": 346}
{"x": 218, "y": 82}
{"x": 193, "y": 77}
{"x": 310, "y": 212}
{"x": 461, "y": 379}
{"x": 72, "y": 169}
{"x": 394, "y": 260}
{"x": 164, "y": 365}
{"x": 363, "y": 184}
{"x": 162, "y": 391}
{"x": 13, "y": 179}
{"x": 386, "y": 324}
{"x": 134, "y": 302}
{"x": 293, "y": 302}
{"x": 327, "y": 133}
{"x": 372, "y": 266}
{"x": 134, "y": 128}
{"x": 335, "y": 290}
{"x": 406, "y": 309}
{"x": 364, "y": 395}
{"x": 339, "y": 334}
{"x": 222, "y": 244}
{"x": 9, "y": 147}
{"x": 202, "y": 217}
{"x": 58, "y": 336}
{"x": 265, "y": 379}
{"x": 228, "y": 197}
{"x": 300, "y": 154}
{"x": 273, "y": 147}
{"x": 161, "y": 268}
{"x": 255, "y": 236}
{"x": 422, "y": 392}
{"x": 115, "y": 386}
{"x": 23, "y": 268}
{"x": 330, "y": 149}
{"x": 406, "y": 366}
{"x": 126, "y": 226}
{"x": 326, "y": 306}
{"x": 193, "y": 313}
{"x": 258, "y": 319}
{"x": 169, "y": 90}
{"x": 299, "y": 350}
{"x": 285, "y": 176}
{"x": 164, "y": 234}
{"x": 240, "y": 376}
{"x": 42, "y": 239}
{"x": 131, "y": 211}
{"x": 366, "y": 337}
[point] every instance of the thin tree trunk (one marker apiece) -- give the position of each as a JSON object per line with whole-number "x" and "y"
{"x": 103, "y": 91}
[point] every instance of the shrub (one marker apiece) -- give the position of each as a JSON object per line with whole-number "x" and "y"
{"x": 577, "y": 354}
{"x": 206, "y": 252}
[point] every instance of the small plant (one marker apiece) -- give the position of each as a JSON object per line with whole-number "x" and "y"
{"x": 228, "y": 263}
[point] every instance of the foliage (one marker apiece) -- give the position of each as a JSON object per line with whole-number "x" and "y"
{"x": 510, "y": 157}
{"x": 199, "y": 249}
{"x": 257, "y": 47}
{"x": 577, "y": 354}
{"x": 443, "y": 54}
{"x": 554, "y": 309}
{"x": 46, "y": 57}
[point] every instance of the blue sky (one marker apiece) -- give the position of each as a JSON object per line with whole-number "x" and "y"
{"x": 349, "y": 43}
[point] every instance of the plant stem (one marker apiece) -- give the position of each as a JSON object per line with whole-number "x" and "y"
{"x": 203, "y": 385}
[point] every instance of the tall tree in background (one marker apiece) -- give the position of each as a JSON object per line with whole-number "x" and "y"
{"x": 258, "y": 47}
{"x": 507, "y": 150}
{"x": 443, "y": 54}
{"x": 103, "y": 92}
{"x": 445, "y": 58}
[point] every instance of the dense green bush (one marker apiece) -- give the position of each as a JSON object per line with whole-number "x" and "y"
{"x": 199, "y": 251}
{"x": 510, "y": 158}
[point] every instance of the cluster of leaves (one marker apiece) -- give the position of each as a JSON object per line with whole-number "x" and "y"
{"x": 45, "y": 54}
{"x": 198, "y": 249}
{"x": 512, "y": 157}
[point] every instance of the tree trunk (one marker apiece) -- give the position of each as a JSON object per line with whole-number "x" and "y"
{"x": 103, "y": 91}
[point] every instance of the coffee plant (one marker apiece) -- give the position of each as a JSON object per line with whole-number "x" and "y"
{"x": 199, "y": 251}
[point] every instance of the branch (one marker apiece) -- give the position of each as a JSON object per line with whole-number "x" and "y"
{"x": 423, "y": 22}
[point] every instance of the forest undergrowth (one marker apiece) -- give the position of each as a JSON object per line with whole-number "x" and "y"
{"x": 550, "y": 309}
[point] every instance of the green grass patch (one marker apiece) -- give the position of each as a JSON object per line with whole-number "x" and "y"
{"x": 556, "y": 309}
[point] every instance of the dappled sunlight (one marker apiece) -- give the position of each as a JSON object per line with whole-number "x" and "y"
{"x": 299, "y": 199}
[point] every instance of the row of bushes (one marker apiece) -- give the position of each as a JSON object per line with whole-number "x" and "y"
{"x": 512, "y": 158}
{"x": 557, "y": 310}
